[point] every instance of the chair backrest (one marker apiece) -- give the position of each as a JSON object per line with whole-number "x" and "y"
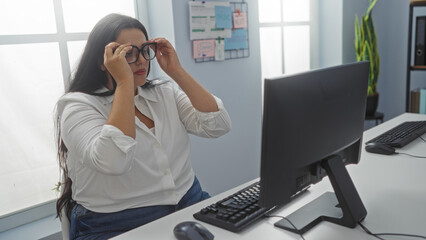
{"x": 65, "y": 223}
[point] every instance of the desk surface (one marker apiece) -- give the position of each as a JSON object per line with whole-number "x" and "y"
{"x": 391, "y": 187}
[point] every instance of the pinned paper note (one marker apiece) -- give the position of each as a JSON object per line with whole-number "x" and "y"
{"x": 202, "y": 20}
{"x": 238, "y": 40}
{"x": 223, "y": 16}
{"x": 219, "y": 50}
{"x": 240, "y": 19}
{"x": 203, "y": 48}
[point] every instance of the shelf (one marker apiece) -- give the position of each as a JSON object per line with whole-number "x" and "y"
{"x": 411, "y": 27}
{"x": 417, "y": 2}
{"x": 418, "y": 68}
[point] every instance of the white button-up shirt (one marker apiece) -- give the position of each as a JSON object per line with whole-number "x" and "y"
{"x": 110, "y": 171}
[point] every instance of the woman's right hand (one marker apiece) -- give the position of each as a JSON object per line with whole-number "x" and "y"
{"x": 116, "y": 64}
{"x": 122, "y": 115}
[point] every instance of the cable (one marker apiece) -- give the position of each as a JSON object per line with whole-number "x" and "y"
{"x": 369, "y": 232}
{"x": 410, "y": 155}
{"x": 420, "y": 136}
{"x": 376, "y": 235}
{"x": 389, "y": 234}
{"x": 288, "y": 220}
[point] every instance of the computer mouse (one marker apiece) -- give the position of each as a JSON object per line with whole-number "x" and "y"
{"x": 192, "y": 231}
{"x": 379, "y": 148}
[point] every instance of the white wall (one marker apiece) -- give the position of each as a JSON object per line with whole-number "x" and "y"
{"x": 330, "y": 32}
{"x": 161, "y": 25}
{"x": 234, "y": 158}
{"x": 391, "y": 20}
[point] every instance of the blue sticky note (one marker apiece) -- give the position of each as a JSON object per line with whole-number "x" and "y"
{"x": 223, "y": 16}
{"x": 238, "y": 40}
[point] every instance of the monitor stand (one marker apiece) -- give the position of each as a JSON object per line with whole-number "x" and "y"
{"x": 344, "y": 207}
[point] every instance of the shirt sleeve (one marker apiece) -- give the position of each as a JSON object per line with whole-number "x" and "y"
{"x": 101, "y": 147}
{"x": 203, "y": 124}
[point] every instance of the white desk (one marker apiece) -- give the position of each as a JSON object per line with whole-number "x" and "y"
{"x": 393, "y": 189}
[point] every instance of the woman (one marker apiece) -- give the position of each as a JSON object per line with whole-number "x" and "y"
{"x": 123, "y": 141}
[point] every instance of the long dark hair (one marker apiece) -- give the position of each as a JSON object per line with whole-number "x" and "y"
{"x": 88, "y": 78}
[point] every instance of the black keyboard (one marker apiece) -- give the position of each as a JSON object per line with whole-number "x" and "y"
{"x": 234, "y": 212}
{"x": 402, "y": 134}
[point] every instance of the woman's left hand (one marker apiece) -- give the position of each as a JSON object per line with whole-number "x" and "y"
{"x": 200, "y": 98}
{"x": 166, "y": 56}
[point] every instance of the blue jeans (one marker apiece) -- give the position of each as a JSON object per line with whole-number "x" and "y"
{"x": 86, "y": 224}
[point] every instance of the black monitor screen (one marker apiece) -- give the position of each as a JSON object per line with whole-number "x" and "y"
{"x": 313, "y": 124}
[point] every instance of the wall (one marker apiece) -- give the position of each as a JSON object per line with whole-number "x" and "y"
{"x": 234, "y": 158}
{"x": 392, "y": 26}
{"x": 161, "y": 25}
{"x": 330, "y": 32}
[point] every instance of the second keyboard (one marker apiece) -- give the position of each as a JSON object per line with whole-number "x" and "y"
{"x": 402, "y": 134}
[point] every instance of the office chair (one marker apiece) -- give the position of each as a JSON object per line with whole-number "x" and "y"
{"x": 65, "y": 223}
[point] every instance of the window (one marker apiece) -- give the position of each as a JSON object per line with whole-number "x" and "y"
{"x": 39, "y": 44}
{"x": 286, "y": 33}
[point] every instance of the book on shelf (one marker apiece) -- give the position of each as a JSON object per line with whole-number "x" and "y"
{"x": 418, "y": 100}
{"x": 415, "y": 100}
{"x": 422, "y": 102}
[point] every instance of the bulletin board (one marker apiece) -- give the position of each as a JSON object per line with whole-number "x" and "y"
{"x": 218, "y": 30}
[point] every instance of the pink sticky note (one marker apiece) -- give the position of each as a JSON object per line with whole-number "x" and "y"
{"x": 203, "y": 48}
{"x": 240, "y": 20}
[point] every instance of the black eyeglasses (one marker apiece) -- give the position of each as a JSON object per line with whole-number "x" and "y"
{"x": 148, "y": 50}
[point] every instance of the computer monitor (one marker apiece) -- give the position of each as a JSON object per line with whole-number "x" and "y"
{"x": 313, "y": 124}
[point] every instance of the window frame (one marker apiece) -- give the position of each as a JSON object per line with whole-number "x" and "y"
{"x": 313, "y": 32}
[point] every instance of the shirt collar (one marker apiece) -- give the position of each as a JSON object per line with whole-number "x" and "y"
{"x": 105, "y": 99}
{"x": 146, "y": 93}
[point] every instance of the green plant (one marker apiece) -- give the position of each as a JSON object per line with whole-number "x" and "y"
{"x": 366, "y": 46}
{"x": 57, "y": 187}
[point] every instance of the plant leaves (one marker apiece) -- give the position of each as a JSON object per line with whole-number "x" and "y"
{"x": 358, "y": 45}
{"x": 370, "y": 8}
{"x": 366, "y": 46}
